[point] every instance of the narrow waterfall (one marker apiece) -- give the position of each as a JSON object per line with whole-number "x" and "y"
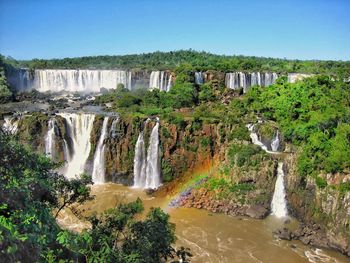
{"x": 160, "y": 80}
{"x": 243, "y": 80}
{"x": 255, "y": 138}
{"x": 10, "y": 125}
{"x": 79, "y": 127}
{"x": 50, "y": 139}
{"x": 140, "y": 162}
{"x": 279, "y": 203}
{"x": 147, "y": 168}
{"x": 113, "y": 130}
{"x": 98, "y": 172}
{"x": 153, "y": 165}
{"x": 275, "y": 144}
{"x": 198, "y": 78}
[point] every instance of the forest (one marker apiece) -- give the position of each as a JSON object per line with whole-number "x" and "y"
{"x": 197, "y": 61}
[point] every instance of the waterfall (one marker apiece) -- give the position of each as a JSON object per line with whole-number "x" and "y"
{"x": 140, "y": 162}
{"x": 79, "y": 127}
{"x": 279, "y": 204}
{"x": 160, "y": 80}
{"x": 153, "y": 166}
{"x": 198, "y": 78}
{"x": 50, "y": 139}
{"x": 275, "y": 144}
{"x": 255, "y": 140}
{"x": 147, "y": 169}
{"x": 98, "y": 172}
{"x": 243, "y": 80}
{"x": 113, "y": 130}
{"x": 81, "y": 80}
{"x": 10, "y": 125}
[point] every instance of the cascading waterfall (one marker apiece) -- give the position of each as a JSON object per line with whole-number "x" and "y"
{"x": 113, "y": 130}
{"x": 50, "y": 139}
{"x": 243, "y": 80}
{"x": 279, "y": 203}
{"x": 10, "y": 125}
{"x": 199, "y": 78}
{"x": 79, "y": 127}
{"x": 140, "y": 162}
{"x": 160, "y": 80}
{"x": 98, "y": 172}
{"x": 147, "y": 168}
{"x": 56, "y": 80}
{"x": 275, "y": 144}
{"x": 153, "y": 165}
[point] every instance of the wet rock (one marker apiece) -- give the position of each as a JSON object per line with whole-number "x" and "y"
{"x": 257, "y": 211}
{"x": 284, "y": 234}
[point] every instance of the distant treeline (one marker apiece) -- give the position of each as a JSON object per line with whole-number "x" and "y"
{"x": 198, "y": 61}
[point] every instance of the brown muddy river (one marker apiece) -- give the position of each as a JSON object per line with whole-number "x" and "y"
{"x": 212, "y": 237}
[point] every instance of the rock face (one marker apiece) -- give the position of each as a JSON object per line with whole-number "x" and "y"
{"x": 325, "y": 212}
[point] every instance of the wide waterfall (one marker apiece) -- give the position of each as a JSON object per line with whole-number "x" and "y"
{"x": 10, "y": 125}
{"x": 147, "y": 169}
{"x": 243, "y": 80}
{"x": 98, "y": 172}
{"x": 81, "y": 80}
{"x": 79, "y": 127}
{"x": 279, "y": 203}
{"x": 50, "y": 139}
{"x": 199, "y": 78}
{"x": 160, "y": 80}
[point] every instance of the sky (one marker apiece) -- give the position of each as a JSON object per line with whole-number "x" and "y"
{"x": 295, "y": 29}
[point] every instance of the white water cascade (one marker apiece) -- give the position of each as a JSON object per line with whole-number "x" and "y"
{"x": 147, "y": 169}
{"x": 153, "y": 165}
{"x": 160, "y": 80}
{"x": 81, "y": 80}
{"x": 79, "y": 127}
{"x": 10, "y": 125}
{"x": 140, "y": 162}
{"x": 275, "y": 144}
{"x": 113, "y": 130}
{"x": 199, "y": 78}
{"x": 279, "y": 203}
{"x": 98, "y": 172}
{"x": 50, "y": 139}
{"x": 243, "y": 80}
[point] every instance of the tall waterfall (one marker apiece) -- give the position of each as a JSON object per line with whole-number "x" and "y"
{"x": 279, "y": 203}
{"x": 243, "y": 80}
{"x": 98, "y": 172}
{"x": 140, "y": 162}
{"x": 10, "y": 125}
{"x": 147, "y": 169}
{"x": 79, "y": 127}
{"x": 50, "y": 139}
{"x": 275, "y": 144}
{"x": 153, "y": 165}
{"x": 160, "y": 80}
{"x": 199, "y": 78}
{"x": 81, "y": 80}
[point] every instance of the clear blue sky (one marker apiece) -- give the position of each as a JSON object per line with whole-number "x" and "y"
{"x": 304, "y": 29}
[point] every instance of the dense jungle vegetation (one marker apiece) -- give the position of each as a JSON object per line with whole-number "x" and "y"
{"x": 198, "y": 61}
{"x": 30, "y": 192}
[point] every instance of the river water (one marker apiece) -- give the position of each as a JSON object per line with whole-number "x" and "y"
{"x": 211, "y": 237}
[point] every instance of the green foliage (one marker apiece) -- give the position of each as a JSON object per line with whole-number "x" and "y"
{"x": 313, "y": 114}
{"x": 167, "y": 171}
{"x": 5, "y": 92}
{"x": 221, "y": 183}
{"x": 320, "y": 182}
{"x": 186, "y": 61}
{"x": 344, "y": 187}
{"x": 240, "y": 133}
{"x": 241, "y": 154}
